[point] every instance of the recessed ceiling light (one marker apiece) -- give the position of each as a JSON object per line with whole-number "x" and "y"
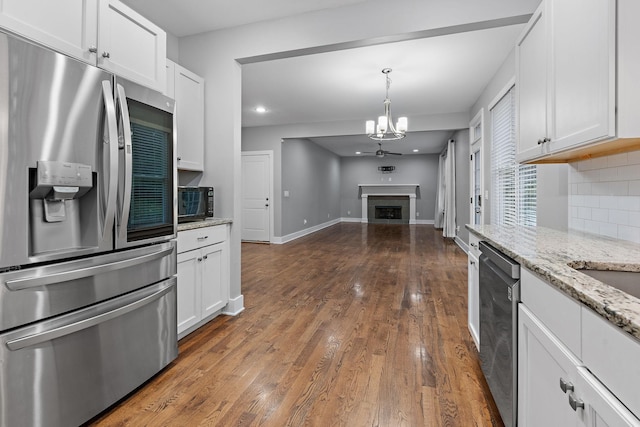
{"x": 261, "y": 109}
{"x": 416, "y": 150}
{"x": 358, "y": 152}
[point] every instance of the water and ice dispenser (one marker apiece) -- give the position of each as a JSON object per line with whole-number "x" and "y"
{"x": 61, "y": 206}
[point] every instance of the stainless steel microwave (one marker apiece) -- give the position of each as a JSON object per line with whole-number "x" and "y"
{"x": 194, "y": 203}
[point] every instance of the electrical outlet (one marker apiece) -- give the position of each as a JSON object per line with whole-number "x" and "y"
{"x": 389, "y": 179}
{"x": 304, "y": 221}
{"x": 348, "y": 212}
{"x": 417, "y": 213}
{"x": 328, "y": 215}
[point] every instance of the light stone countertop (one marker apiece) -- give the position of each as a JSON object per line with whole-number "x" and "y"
{"x": 209, "y": 222}
{"x": 551, "y": 254}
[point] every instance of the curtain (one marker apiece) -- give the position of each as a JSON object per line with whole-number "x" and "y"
{"x": 439, "y": 213}
{"x": 449, "y": 222}
{"x": 445, "y": 214}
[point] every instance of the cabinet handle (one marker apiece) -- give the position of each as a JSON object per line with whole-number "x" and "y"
{"x": 106, "y": 55}
{"x": 575, "y": 403}
{"x": 203, "y": 238}
{"x": 93, "y": 49}
{"x": 472, "y": 262}
{"x": 566, "y": 386}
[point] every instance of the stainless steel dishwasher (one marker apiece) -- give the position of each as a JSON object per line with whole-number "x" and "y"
{"x": 499, "y": 297}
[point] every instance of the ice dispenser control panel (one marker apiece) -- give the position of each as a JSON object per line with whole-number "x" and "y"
{"x": 61, "y": 180}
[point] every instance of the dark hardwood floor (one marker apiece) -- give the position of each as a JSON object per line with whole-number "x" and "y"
{"x": 355, "y": 325}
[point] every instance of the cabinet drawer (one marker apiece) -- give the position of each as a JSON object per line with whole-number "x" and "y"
{"x": 612, "y": 356}
{"x": 473, "y": 245}
{"x": 559, "y": 313}
{"x": 199, "y": 237}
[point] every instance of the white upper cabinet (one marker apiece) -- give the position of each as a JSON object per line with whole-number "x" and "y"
{"x": 69, "y": 26}
{"x": 571, "y": 84}
{"x": 131, "y": 46}
{"x": 105, "y": 33}
{"x": 189, "y": 96}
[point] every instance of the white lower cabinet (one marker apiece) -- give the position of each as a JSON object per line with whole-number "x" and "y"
{"x": 543, "y": 363}
{"x": 203, "y": 276}
{"x": 556, "y": 387}
{"x": 473, "y": 301}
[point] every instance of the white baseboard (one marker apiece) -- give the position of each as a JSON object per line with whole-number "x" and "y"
{"x": 463, "y": 245}
{"x": 350, "y": 219}
{"x": 235, "y": 306}
{"x": 305, "y": 232}
{"x": 310, "y": 230}
{"x": 424, "y": 222}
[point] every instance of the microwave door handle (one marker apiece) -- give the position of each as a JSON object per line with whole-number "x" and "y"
{"x": 125, "y": 144}
{"x": 110, "y": 141}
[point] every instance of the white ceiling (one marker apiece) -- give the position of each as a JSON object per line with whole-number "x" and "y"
{"x": 436, "y": 75}
{"x": 188, "y": 17}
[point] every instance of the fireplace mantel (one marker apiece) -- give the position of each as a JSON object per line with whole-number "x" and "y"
{"x": 409, "y": 190}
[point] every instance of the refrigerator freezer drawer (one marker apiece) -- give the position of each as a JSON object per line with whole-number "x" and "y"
{"x": 36, "y": 293}
{"x": 66, "y": 370}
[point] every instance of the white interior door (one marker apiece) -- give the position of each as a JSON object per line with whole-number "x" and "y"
{"x": 256, "y": 196}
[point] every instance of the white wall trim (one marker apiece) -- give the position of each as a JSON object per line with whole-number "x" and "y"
{"x": 463, "y": 245}
{"x": 305, "y": 232}
{"x": 350, "y": 219}
{"x": 425, "y": 222}
{"x": 235, "y": 306}
{"x": 502, "y": 92}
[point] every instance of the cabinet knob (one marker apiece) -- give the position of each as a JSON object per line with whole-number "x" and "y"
{"x": 205, "y": 257}
{"x": 106, "y": 55}
{"x": 472, "y": 262}
{"x": 575, "y": 403}
{"x": 474, "y": 245}
{"x": 566, "y": 386}
{"x": 540, "y": 141}
{"x": 201, "y": 238}
{"x": 93, "y": 49}
{"x": 179, "y": 158}
{"x": 546, "y": 139}
{"x": 199, "y": 259}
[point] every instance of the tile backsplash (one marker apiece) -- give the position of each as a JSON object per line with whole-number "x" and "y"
{"x": 604, "y": 196}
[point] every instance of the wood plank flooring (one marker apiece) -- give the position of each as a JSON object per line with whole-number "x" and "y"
{"x": 355, "y": 325}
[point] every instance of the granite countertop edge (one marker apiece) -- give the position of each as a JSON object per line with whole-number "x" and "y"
{"x": 551, "y": 255}
{"x": 209, "y": 222}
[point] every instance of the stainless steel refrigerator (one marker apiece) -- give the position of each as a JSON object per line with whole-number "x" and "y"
{"x": 87, "y": 218}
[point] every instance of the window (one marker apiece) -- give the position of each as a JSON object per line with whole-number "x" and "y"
{"x": 514, "y": 185}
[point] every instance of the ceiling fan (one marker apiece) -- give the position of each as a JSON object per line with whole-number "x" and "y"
{"x": 381, "y": 153}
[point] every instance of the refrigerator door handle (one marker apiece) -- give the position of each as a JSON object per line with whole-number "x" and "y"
{"x": 110, "y": 141}
{"x": 87, "y": 319}
{"x": 125, "y": 144}
{"x": 79, "y": 273}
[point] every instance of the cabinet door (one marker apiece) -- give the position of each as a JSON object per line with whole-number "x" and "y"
{"x": 601, "y": 408}
{"x": 215, "y": 283}
{"x": 68, "y": 26}
{"x": 543, "y": 362}
{"x": 583, "y": 83}
{"x": 189, "y": 305}
{"x": 189, "y": 95}
{"x": 131, "y": 46}
{"x": 531, "y": 87}
{"x": 474, "y": 299}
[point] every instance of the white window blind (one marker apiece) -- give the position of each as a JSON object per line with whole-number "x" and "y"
{"x": 514, "y": 185}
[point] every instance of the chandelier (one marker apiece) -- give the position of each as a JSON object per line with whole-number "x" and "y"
{"x": 384, "y": 130}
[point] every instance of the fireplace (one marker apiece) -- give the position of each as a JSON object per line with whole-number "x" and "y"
{"x": 382, "y": 197}
{"x": 388, "y": 212}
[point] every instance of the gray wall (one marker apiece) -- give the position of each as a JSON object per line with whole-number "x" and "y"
{"x": 419, "y": 169}
{"x": 462, "y": 183}
{"x": 311, "y": 175}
